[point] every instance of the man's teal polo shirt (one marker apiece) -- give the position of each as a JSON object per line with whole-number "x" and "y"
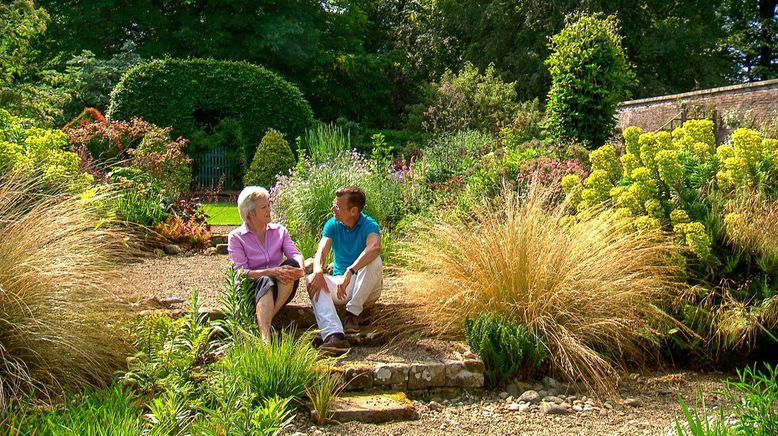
{"x": 348, "y": 244}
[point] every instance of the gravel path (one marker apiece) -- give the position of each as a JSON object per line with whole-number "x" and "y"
{"x": 177, "y": 276}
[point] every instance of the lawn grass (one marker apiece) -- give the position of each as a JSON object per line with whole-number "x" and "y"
{"x": 222, "y": 214}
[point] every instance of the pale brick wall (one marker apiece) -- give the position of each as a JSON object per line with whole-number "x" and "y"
{"x": 757, "y": 102}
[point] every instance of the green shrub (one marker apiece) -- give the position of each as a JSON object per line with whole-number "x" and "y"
{"x": 507, "y": 349}
{"x": 273, "y": 157}
{"x": 33, "y": 150}
{"x": 190, "y": 94}
{"x": 720, "y": 205}
{"x": 468, "y": 100}
{"x": 452, "y": 154}
{"x": 590, "y": 74}
{"x": 59, "y": 327}
{"x": 138, "y": 197}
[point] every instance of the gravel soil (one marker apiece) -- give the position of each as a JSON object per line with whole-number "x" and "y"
{"x": 489, "y": 412}
{"x": 482, "y": 412}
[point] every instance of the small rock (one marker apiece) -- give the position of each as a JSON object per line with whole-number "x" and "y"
{"x": 543, "y": 393}
{"x": 523, "y": 407}
{"x": 509, "y": 400}
{"x": 504, "y": 395}
{"x": 513, "y": 390}
{"x": 553, "y": 399}
{"x": 318, "y": 432}
{"x": 159, "y": 253}
{"x": 550, "y": 382}
{"x": 578, "y": 408}
{"x": 221, "y": 249}
{"x": 435, "y": 406}
{"x": 513, "y": 407}
{"x": 171, "y": 301}
{"x": 608, "y": 405}
{"x": 530, "y": 397}
{"x": 469, "y": 355}
{"x": 172, "y": 249}
{"x": 566, "y": 405}
{"x": 632, "y": 402}
{"x": 210, "y": 251}
{"x": 552, "y": 409}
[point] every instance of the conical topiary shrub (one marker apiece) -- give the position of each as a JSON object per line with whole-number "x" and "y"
{"x": 273, "y": 156}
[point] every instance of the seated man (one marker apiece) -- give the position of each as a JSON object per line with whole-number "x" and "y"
{"x": 357, "y": 279}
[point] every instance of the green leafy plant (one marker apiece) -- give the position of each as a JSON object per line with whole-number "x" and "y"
{"x": 507, "y": 349}
{"x": 273, "y": 157}
{"x": 109, "y": 411}
{"x": 751, "y": 400}
{"x": 238, "y": 303}
{"x": 590, "y": 74}
{"x": 698, "y": 421}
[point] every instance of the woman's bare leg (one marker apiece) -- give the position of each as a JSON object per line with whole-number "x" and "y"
{"x": 284, "y": 291}
{"x": 265, "y": 315}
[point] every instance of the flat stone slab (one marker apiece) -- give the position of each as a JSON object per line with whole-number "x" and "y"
{"x": 412, "y": 376}
{"x": 372, "y": 408}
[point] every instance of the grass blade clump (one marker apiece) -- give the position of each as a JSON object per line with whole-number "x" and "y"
{"x": 590, "y": 290}
{"x": 59, "y": 328}
{"x": 282, "y": 368}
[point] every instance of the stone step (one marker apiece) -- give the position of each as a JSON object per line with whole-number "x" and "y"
{"x": 371, "y": 408}
{"x": 412, "y": 376}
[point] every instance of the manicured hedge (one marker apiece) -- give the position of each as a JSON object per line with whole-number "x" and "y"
{"x": 174, "y": 92}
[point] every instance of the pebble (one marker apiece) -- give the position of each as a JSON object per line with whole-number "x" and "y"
{"x": 553, "y": 399}
{"x": 551, "y": 382}
{"x": 435, "y": 406}
{"x": 514, "y": 407}
{"x": 504, "y": 395}
{"x": 523, "y": 407}
{"x": 552, "y": 409}
{"x": 509, "y": 399}
{"x": 632, "y": 402}
{"x": 530, "y": 397}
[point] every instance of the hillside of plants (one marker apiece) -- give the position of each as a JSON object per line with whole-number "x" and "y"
{"x": 483, "y": 134}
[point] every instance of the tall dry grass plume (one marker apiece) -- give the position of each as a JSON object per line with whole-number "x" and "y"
{"x": 592, "y": 290}
{"x": 59, "y": 328}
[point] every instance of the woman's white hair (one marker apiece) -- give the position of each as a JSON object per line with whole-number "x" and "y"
{"x": 247, "y": 200}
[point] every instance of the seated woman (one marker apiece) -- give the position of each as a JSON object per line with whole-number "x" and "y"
{"x": 259, "y": 246}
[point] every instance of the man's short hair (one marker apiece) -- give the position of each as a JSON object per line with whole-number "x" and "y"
{"x": 355, "y": 197}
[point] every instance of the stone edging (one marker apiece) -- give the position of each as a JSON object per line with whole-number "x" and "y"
{"x": 468, "y": 373}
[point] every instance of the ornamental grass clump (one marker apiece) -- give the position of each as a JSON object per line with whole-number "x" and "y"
{"x": 59, "y": 328}
{"x": 590, "y": 290}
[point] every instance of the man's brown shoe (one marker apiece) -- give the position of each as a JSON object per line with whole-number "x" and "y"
{"x": 334, "y": 345}
{"x": 351, "y": 323}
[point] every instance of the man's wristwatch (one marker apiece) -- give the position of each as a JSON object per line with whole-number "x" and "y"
{"x": 353, "y": 271}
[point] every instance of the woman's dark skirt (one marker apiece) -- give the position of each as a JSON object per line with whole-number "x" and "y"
{"x": 265, "y": 284}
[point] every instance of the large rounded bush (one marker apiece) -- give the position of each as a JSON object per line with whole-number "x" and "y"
{"x": 190, "y": 94}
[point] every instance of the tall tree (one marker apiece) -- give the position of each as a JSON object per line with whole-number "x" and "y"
{"x": 752, "y": 26}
